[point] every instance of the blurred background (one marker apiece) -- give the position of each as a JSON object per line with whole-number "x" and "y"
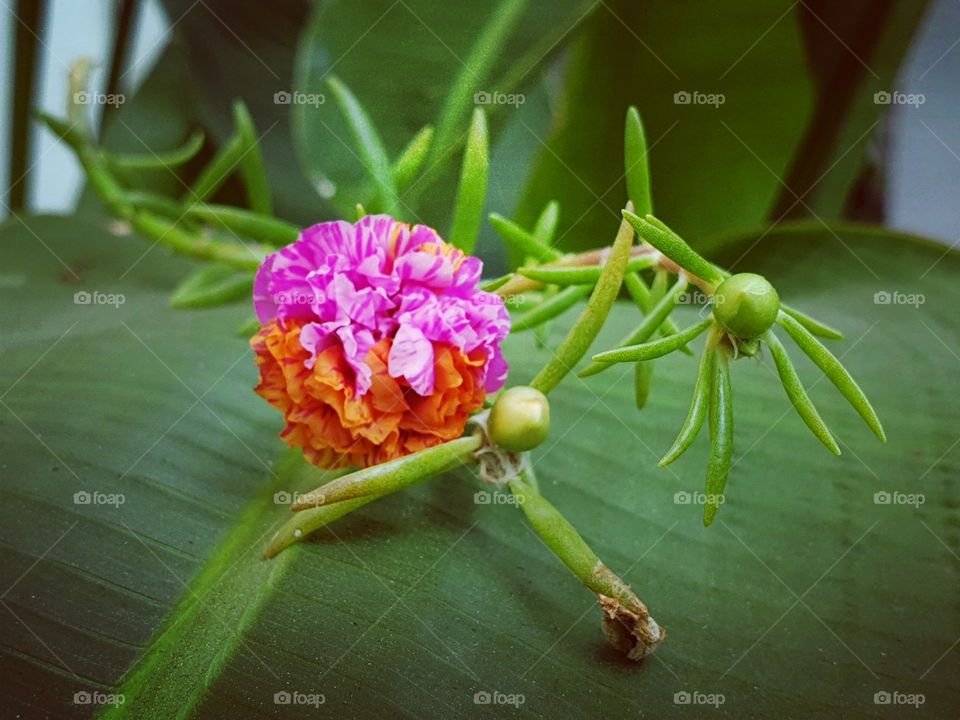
{"x": 908, "y": 164}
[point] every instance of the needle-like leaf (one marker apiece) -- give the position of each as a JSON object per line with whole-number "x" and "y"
{"x": 472, "y": 191}
{"x": 393, "y": 475}
{"x": 834, "y": 370}
{"x": 262, "y": 228}
{"x": 252, "y": 168}
{"x": 642, "y": 380}
{"x": 646, "y": 328}
{"x": 411, "y": 158}
{"x": 578, "y": 274}
{"x": 815, "y": 327}
{"x": 550, "y": 308}
{"x": 523, "y": 243}
{"x": 164, "y": 160}
{"x": 698, "y": 407}
{"x": 370, "y": 147}
{"x": 674, "y": 247}
{"x": 655, "y": 348}
{"x": 585, "y": 329}
{"x": 545, "y": 229}
{"x": 212, "y": 285}
{"x": 215, "y": 174}
{"x": 721, "y": 436}
{"x": 636, "y": 163}
{"x": 797, "y": 394}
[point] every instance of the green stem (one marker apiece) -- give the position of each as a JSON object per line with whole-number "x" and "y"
{"x": 302, "y": 524}
{"x": 588, "y": 325}
{"x": 646, "y": 328}
{"x": 550, "y": 308}
{"x": 571, "y": 549}
{"x": 579, "y": 274}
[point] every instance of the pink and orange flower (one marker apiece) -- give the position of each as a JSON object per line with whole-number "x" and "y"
{"x": 376, "y": 341}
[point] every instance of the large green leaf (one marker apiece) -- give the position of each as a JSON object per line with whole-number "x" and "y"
{"x": 443, "y": 60}
{"x": 417, "y": 602}
{"x": 797, "y": 110}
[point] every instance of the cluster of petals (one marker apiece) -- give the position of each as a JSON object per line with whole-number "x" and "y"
{"x": 375, "y": 339}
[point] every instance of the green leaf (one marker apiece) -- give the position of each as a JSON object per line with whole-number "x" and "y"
{"x": 578, "y": 340}
{"x": 796, "y": 118}
{"x": 642, "y": 381}
{"x": 215, "y": 174}
{"x": 252, "y": 168}
{"x": 813, "y": 325}
{"x": 637, "y": 164}
{"x": 450, "y": 60}
{"x": 656, "y": 348}
{"x": 472, "y": 192}
{"x": 212, "y": 285}
{"x": 165, "y": 598}
{"x": 578, "y": 274}
{"x": 835, "y": 372}
{"x": 702, "y": 392}
{"x": 521, "y": 242}
{"x": 797, "y": 394}
{"x": 647, "y": 327}
{"x": 550, "y": 308}
{"x": 720, "y": 416}
{"x": 255, "y": 226}
{"x": 411, "y": 159}
{"x": 368, "y": 145}
{"x": 674, "y": 247}
{"x": 161, "y": 160}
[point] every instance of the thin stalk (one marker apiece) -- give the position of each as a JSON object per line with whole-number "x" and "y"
{"x": 588, "y": 325}
{"x": 623, "y": 610}
{"x": 646, "y": 328}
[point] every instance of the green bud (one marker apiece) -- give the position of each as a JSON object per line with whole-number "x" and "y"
{"x": 746, "y": 305}
{"x": 520, "y": 419}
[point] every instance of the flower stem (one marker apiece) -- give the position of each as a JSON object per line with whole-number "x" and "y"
{"x": 585, "y": 329}
{"x": 627, "y": 622}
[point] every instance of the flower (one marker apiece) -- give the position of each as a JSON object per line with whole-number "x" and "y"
{"x": 376, "y": 341}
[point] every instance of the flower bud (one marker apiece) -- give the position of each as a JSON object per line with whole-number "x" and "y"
{"x": 520, "y": 419}
{"x": 746, "y": 305}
